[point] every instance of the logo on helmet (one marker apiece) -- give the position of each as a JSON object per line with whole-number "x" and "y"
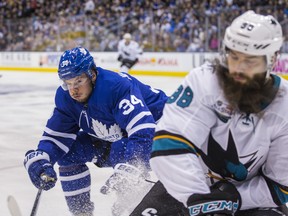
{"x": 273, "y": 22}
{"x": 82, "y": 50}
{"x": 65, "y": 63}
{"x": 260, "y": 46}
{"x": 237, "y": 42}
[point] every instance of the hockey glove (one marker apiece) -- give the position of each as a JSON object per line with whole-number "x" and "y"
{"x": 40, "y": 170}
{"x": 120, "y": 58}
{"x": 223, "y": 199}
{"x": 125, "y": 176}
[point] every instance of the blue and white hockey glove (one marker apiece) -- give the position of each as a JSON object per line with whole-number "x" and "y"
{"x": 125, "y": 176}
{"x": 40, "y": 170}
{"x": 223, "y": 199}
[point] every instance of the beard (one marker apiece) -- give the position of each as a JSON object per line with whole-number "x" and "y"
{"x": 250, "y": 97}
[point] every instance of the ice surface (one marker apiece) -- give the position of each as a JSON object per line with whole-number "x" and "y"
{"x": 26, "y": 102}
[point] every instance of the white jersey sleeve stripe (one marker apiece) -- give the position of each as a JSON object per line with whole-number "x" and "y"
{"x": 64, "y": 135}
{"x": 136, "y": 119}
{"x": 59, "y": 144}
{"x": 140, "y": 127}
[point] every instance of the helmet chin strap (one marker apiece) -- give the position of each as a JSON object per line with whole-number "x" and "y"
{"x": 272, "y": 58}
{"x": 267, "y": 77}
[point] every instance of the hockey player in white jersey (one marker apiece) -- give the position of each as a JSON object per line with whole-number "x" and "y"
{"x": 128, "y": 53}
{"x": 221, "y": 146}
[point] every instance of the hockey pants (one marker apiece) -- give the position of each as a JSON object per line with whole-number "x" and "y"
{"x": 127, "y": 64}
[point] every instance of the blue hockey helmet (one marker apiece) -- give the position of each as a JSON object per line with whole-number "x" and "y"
{"x": 75, "y": 62}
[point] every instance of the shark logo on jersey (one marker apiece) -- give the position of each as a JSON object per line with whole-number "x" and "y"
{"x": 247, "y": 119}
{"x": 226, "y": 162}
{"x": 222, "y": 110}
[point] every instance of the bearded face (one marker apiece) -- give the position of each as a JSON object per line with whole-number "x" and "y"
{"x": 245, "y": 93}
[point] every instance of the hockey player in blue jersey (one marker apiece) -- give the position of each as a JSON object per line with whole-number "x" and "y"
{"x": 102, "y": 117}
{"x": 221, "y": 146}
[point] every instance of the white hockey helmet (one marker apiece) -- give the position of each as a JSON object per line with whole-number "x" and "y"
{"x": 127, "y": 36}
{"x": 255, "y": 34}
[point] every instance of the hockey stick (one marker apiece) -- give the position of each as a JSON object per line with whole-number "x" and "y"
{"x": 36, "y": 202}
{"x": 150, "y": 181}
{"x": 13, "y": 206}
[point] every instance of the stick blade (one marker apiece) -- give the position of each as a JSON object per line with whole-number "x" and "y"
{"x": 13, "y": 206}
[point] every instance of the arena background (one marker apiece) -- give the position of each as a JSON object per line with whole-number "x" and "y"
{"x": 176, "y": 36}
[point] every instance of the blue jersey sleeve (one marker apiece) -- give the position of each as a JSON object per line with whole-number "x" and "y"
{"x": 61, "y": 129}
{"x": 155, "y": 99}
{"x": 132, "y": 113}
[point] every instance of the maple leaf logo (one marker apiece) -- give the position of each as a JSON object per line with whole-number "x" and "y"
{"x": 112, "y": 134}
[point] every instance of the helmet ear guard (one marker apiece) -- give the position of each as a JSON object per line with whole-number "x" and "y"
{"x": 254, "y": 34}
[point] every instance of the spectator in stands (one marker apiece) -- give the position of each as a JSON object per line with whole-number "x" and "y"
{"x": 213, "y": 42}
{"x": 159, "y": 16}
{"x": 195, "y": 46}
{"x": 89, "y": 7}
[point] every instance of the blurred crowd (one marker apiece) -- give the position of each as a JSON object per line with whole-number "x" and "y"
{"x": 158, "y": 25}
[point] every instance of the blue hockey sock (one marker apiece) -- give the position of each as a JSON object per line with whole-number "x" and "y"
{"x": 76, "y": 182}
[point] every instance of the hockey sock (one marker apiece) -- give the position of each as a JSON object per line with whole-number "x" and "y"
{"x": 76, "y": 182}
